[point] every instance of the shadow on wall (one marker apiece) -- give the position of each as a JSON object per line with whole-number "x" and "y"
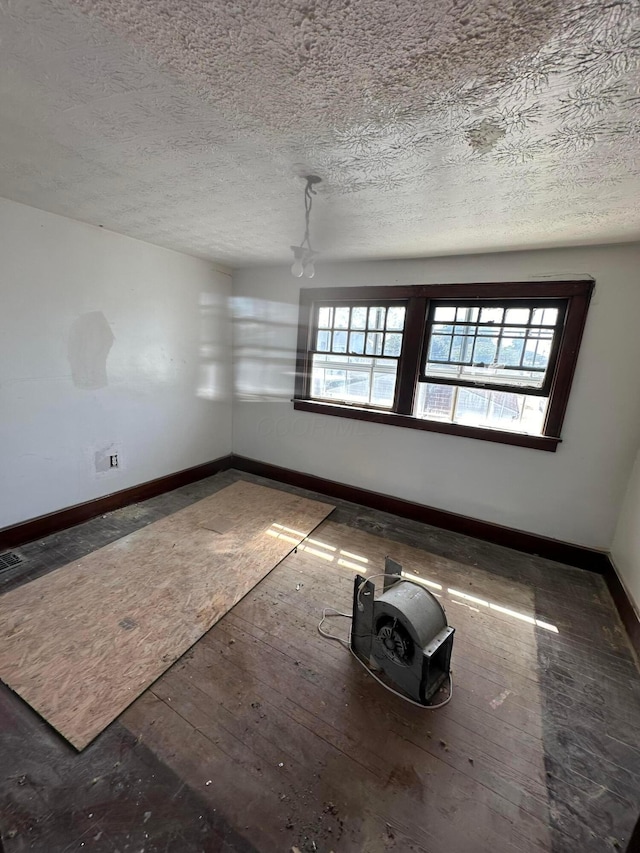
{"x": 264, "y": 348}
{"x": 212, "y": 351}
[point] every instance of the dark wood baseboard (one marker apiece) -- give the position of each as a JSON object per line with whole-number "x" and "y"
{"x": 626, "y": 610}
{"x": 44, "y": 525}
{"x": 519, "y": 540}
{"x": 530, "y": 543}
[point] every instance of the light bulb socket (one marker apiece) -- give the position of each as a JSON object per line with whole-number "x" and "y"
{"x": 303, "y": 259}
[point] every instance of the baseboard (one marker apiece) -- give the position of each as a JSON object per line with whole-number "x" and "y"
{"x": 44, "y": 525}
{"x": 628, "y": 613}
{"x": 530, "y": 543}
{"x": 519, "y": 540}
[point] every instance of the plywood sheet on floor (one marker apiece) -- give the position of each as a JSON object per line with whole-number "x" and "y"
{"x": 80, "y": 644}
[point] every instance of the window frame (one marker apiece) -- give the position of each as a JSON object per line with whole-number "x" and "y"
{"x": 315, "y": 327}
{"x": 576, "y": 293}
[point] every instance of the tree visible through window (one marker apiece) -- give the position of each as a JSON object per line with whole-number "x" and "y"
{"x": 484, "y": 360}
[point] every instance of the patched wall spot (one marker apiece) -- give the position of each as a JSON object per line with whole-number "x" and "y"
{"x": 90, "y": 340}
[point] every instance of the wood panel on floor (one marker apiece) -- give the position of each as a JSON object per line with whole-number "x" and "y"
{"x": 81, "y": 643}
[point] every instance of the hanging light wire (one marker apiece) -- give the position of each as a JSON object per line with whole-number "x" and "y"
{"x": 309, "y": 192}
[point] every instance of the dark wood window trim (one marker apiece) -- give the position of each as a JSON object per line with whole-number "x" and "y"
{"x": 417, "y": 297}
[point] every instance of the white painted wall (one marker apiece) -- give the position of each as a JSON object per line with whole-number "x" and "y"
{"x": 573, "y": 495}
{"x": 162, "y": 397}
{"x": 625, "y": 550}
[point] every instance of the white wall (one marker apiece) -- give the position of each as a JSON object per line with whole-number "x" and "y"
{"x": 105, "y": 342}
{"x": 625, "y": 550}
{"x": 573, "y": 495}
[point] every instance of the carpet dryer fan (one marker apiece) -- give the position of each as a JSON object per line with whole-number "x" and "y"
{"x": 403, "y": 632}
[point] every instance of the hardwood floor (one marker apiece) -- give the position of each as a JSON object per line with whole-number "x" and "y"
{"x": 267, "y": 737}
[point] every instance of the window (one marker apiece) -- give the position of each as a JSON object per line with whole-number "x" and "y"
{"x": 355, "y": 353}
{"x": 491, "y": 361}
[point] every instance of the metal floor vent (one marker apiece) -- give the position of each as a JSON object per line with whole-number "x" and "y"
{"x": 8, "y": 560}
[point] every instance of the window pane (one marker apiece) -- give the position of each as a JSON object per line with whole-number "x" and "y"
{"x": 491, "y": 315}
{"x": 542, "y": 354}
{"x": 529, "y": 355}
{"x": 349, "y": 379}
{"x": 456, "y": 348}
{"x": 444, "y": 314}
{"x": 481, "y": 408}
{"x": 544, "y": 316}
{"x": 384, "y": 386}
{"x": 392, "y": 344}
{"x": 329, "y": 383}
{"x": 510, "y": 351}
{"x": 485, "y": 351}
{"x": 468, "y": 313}
{"x": 341, "y": 318}
{"x": 358, "y": 386}
{"x": 438, "y": 402}
{"x": 471, "y": 404}
{"x": 517, "y": 316}
{"x": 374, "y": 343}
{"x": 377, "y": 318}
{"x": 323, "y": 341}
{"x": 395, "y": 318}
{"x": 356, "y": 342}
{"x": 339, "y": 342}
{"x": 439, "y": 348}
{"x": 359, "y": 317}
{"x": 325, "y": 318}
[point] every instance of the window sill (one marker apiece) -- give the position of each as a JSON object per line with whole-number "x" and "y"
{"x": 537, "y": 442}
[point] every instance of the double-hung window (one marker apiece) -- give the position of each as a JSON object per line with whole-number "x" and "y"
{"x": 491, "y": 361}
{"x": 355, "y": 353}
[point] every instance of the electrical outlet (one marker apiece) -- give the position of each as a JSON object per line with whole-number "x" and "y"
{"x": 107, "y": 460}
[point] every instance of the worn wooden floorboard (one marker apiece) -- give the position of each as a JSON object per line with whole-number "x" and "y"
{"x": 503, "y": 676}
{"x": 496, "y": 775}
{"x": 465, "y": 652}
{"x": 605, "y": 664}
{"x": 606, "y": 774}
{"x": 263, "y": 658}
{"x": 491, "y": 642}
{"x": 578, "y": 627}
{"x": 538, "y": 751}
{"x": 338, "y": 788}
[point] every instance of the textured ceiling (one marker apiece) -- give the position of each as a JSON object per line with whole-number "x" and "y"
{"x": 438, "y": 127}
